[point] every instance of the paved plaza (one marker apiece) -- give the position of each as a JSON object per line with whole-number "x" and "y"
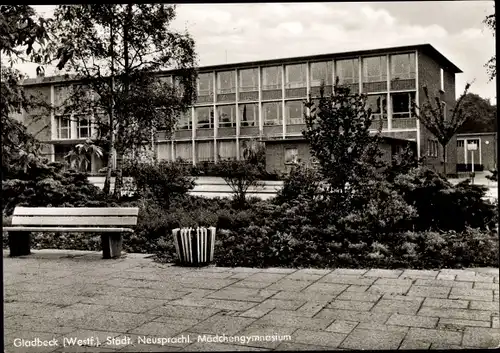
{"x": 71, "y": 301}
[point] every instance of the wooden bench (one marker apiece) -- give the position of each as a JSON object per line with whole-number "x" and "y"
{"x": 109, "y": 222}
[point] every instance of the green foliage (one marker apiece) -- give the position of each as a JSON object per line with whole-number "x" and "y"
{"x": 80, "y": 156}
{"x": 481, "y": 115}
{"x": 240, "y": 176}
{"x": 161, "y": 181}
{"x": 442, "y": 206}
{"x": 301, "y": 181}
{"x": 129, "y": 43}
{"x": 491, "y": 65}
{"x": 48, "y": 185}
{"x": 338, "y": 132}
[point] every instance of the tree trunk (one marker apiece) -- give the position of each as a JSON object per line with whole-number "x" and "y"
{"x": 119, "y": 176}
{"x": 109, "y": 168}
{"x": 107, "y": 181}
{"x": 444, "y": 160}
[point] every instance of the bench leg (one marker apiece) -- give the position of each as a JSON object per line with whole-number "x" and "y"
{"x": 111, "y": 245}
{"x": 19, "y": 243}
{"x": 106, "y": 251}
{"x": 115, "y": 244}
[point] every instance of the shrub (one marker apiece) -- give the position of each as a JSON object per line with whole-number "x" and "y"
{"x": 49, "y": 185}
{"x": 440, "y": 205}
{"x": 161, "y": 181}
{"x": 301, "y": 181}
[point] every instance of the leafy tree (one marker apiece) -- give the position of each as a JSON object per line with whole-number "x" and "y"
{"x": 491, "y": 65}
{"x": 481, "y": 115}
{"x": 116, "y": 52}
{"x": 80, "y": 156}
{"x": 442, "y": 124}
{"x": 20, "y": 31}
{"x": 338, "y": 132}
{"x": 240, "y": 175}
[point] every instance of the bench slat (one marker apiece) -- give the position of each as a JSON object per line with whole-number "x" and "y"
{"x": 76, "y": 211}
{"x": 73, "y": 221}
{"x": 67, "y": 229}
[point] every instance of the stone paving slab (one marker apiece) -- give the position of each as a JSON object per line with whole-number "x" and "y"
{"x": 57, "y": 294}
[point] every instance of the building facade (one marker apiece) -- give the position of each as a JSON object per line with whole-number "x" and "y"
{"x": 240, "y": 103}
{"x": 484, "y": 156}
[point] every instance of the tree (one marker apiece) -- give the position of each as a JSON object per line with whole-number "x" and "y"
{"x": 437, "y": 120}
{"x": 481, "y": 115}
{"x": 338, "y": 131}
{"x": 116, "y": 52}
{"x": 240, "y": 175}
{"x": 20, "y": 32}
{"x": 80, "y": 156}
{"x": 491, "y": 65}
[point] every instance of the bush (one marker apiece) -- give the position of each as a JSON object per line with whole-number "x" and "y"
{"x": 161, "y": 181}
{"x": 301, "y": 181}
{"x": 49, "y": 185}
{"x": 442, "y": 206}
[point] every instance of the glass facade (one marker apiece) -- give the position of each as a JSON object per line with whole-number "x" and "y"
{"x": 347, "y": 71}
{"x": 272, "y": 78}
{"x": 403, "y": 66}
{"x": 294, "y": 112}
{"x": 204, "y": 117}
{"x": 248, "y": 80}
{"x": 249, "y": 114}
{"x": 375, "y": 69}
{"x": 321, "y": 72}
{"x": 272, "y": 113}
{"x": 296, "y": 76}
{"x": 205, "y": 84}
{"x": 226, "y": 115}
{"x": 226, "y": 82}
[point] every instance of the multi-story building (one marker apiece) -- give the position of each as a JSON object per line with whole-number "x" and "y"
{"x": 263, "y": 100}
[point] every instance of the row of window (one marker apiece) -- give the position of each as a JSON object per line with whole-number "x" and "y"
{"x": 64, "y": 127}
{"x": 461, "y": 143}
{"x": 294, "y": 112}
{"x": 374, "y": 69}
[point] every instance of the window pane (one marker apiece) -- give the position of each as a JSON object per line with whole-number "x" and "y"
{"x": 401, "y": 104}
{"x": 375, "y": 69}
{"x": 347, "y": 71}
{"x": 204, "y": 117}
{"x": 403, "y": 66}
{"x": 225, "y": 82}
{"x": 249, "y": 80}
{"x": 185, "y": 121}
{"x": 249, "y": 114}
{"x": 291, "y": 155}
{"x": 296, "y": 75}
{"x": 63, "y": 127}
{"x": 321, "y": 71}
{"x": 205, "y": 84}
{"x": 271, "y": 77}
{"x": 460, "y": 143}
{"x": 227, "y": 115}
{"x": 294, "y": 112}
{"x": 83, "y": 128}
{"x": 272, "y": 113}
{"x": 378, "y": 105}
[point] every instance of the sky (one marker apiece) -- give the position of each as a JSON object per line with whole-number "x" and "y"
{"x": 231, "y": 33}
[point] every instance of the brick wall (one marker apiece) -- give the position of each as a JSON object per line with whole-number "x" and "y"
{"x": 486, "y": 155}
{"x": 430, "y": 76}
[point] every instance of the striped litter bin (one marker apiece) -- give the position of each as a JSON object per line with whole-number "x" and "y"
{"x": 194, "y": 246}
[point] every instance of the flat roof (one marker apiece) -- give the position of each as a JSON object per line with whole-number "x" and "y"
{"x": 425, "y": 48}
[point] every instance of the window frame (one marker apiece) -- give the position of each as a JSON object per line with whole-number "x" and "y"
{"x": 460, "y": 143}
{"x": 294, "y": 121}
{"x": 59, "y": 128}
{"x": 255, "y": 86}
{"x": 300, "y": 82}
{"x": 355, "y": 70}
{"x": 294, "y": 156}
{"x": 232, "y": 86}
{"x": 383, "y": 110}
{"x": 232, "y": 122}
{"x": 412, "y": 67}
{"x": 329, "y": 73}
{"x": 255, "y": 114}
{"x": 400, "y": 115}
{"x": 441, "y": 76}
{"x": 189, "y": 121}
{"x": 279, "y": 118}
{"x": 87, "y": 127}
{"x": 382, "y": 60}
{"x": 211, "y": 119}
{"x": 211, "y": 84}
{"x": 266, "y": 86}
